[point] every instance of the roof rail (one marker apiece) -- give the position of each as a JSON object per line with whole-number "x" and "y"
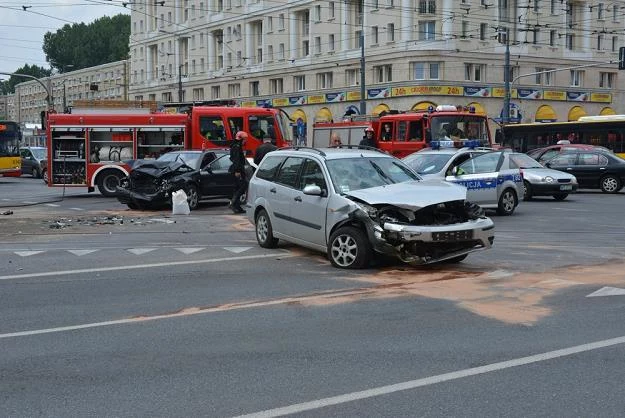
{"x": 365, "y": 147}
{"x": 297, "y": 148}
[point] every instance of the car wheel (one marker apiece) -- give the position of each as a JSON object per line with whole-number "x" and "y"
{"x": 36, "y": 173}
{"x": 193, "y": 196}
{"x": 264, "y": 231}
{"x": 560, "y": 196}
{"x": 610, "y": 184}
{"x": 108, "y": 181}
{"x": 349, "y": 247}
{"x": 507, "y": 203}
{"x": 456, "y": 259}
{"x": 45, "y": 176}
{"x": 527, "y": 187}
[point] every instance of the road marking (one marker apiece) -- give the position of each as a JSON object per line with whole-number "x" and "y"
{"x": 140, "y": 251}
{"x": 188, "y": 251}
{"x": 237, "y": 250}
{"x": 81, "y": 252}
{"x": 76, "y": 208}
{"x": 432, "y": 380}
{"x": 27, "y": 253}
{"x": 280, "y": 255}
{"x": 607, "y": 291}
{"x": 52, "y": 205}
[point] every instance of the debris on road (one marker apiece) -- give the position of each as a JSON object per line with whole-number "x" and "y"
{"x": 8, "y": 212}
{"x": 62, "y": 223}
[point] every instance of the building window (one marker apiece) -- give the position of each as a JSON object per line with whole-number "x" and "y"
{"x": 299, "y": 83}
{"x": 577, "y": 78}
{"x": 269, "y": 53}
{"x": 570, "y": 41}
{"x": 553, "y": 34}
{"x": 536, "y": 6}
{"x": 254, "y": 88}
{"x": 198, "y": 94}
{"x": 324, "y": 80}
{"x": 305, "y": 48}
{"x": 317, "y": 13}
{"x": 390, "y": 3}
{"x": 614, "y": 43}
{"x": 427, "y": 30}
{"x": 358, "y": 39}
{"x": 464, "y": 34}
{"x": 600, "y": 11}
{"x": 234, "y": 90}
{"x": 390, "y": 32}
{"x": 269, "y": 24}
{"x": 352, "y": 77}
{"x": 615, "y": 10}
{"x": 374, "y": 35}
{"x": 215, "y": 92}
{"x": 535, "y": 35}
{"x": 427, "y": 7}
{"x": 281, "y": 21}
{"x": 426, "y": 70}
{"x": 474, "y": 72}
{"x": 276, "y": 86}
{"x": 331, "y": 42}
{"x": 281, "y": 52}
{"x": 606, "y": 80}
{"x": 375, "y": 4}
{"x": 317, "y": 45}
{"x": 483, "y": 31}
{"x": 166, "y": 97}
{"x": 552, "y": 8}
{"x": 599, "y": 42}
{"x": 543, "y": 77}
{"x": 383, "y": 73}
{"x": 331, "y": 10}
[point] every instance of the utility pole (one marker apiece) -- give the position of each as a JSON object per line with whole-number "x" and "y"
{"x": 363, "y": 90}
{"x": 180, "y": 83}
{"x": 506, "y": 78}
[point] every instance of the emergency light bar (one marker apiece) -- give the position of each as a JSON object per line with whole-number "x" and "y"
{"x": 455, "y": 144}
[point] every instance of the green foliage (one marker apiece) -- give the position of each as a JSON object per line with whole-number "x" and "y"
{"x": 8, "y": 86}
{"x": 78, "y": 46}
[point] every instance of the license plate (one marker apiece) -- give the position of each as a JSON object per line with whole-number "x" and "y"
{"x": 452, "y": 236}
{"x": 566, "y": 187}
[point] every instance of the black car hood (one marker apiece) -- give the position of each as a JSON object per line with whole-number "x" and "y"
{"x": 157, "y": 169}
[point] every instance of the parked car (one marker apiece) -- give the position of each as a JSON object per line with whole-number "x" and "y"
{"x": 542, "y": 181}
{"x": 593, "y": 169}
{"x": 33, "y": 161}
{"x": 354, "y": 203}
{"x": 201, "y": 174}
{"x": 546, "y": 153}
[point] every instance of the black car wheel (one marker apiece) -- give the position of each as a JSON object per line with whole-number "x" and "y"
{"x": 193, "y": 196}
{"x": 507, "y": 203}
{"x": 560, "y": 196}
{"x": 264, "y": 230}
{"x": 108, "y": 181}
{"x": 36, "y": 173}
{"x": 349, "y": 248}
{"x": 610, "y": 184}
{"x": 528, "y": 190}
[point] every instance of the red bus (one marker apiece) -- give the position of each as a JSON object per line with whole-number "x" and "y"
{"x": 402, "y": 133}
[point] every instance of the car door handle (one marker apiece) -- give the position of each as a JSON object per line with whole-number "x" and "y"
{"x": 601, "y": 168}
{"x": 298, "y": 199}
{"x": 272, "y": 190}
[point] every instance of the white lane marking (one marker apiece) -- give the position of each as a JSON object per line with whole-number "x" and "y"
{"x": 432, "y": 380}
{"x": 6, "y": 200}
{"x": 76, "y": 208}
{"x": 607, "y": 291}
{"x": 140, "y": 251}
{"x": 81, "y": 252}
{"x": 52, "y": 205}
{"x": 188, "y": 251}
{"x": 281, "y": 255}
{"x": 237, "y": 250}
{"x": 27, "y": 253}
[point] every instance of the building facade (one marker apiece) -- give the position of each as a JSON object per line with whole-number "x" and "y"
{"x": 304, "y": 55}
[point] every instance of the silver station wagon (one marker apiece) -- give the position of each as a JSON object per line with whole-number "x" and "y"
{"x": 355, "y": 203}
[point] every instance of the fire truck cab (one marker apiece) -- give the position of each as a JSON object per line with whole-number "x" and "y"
{"x": 402, "y": 133}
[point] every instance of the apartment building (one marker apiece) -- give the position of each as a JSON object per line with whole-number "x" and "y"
{"x": 304, "y": 55}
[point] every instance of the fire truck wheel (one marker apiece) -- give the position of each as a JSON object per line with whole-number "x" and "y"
{"x": 108, "y": 181}
{"x": 45, "y": 176}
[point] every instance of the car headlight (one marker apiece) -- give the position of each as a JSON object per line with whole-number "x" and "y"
{"x": 369, "y": 210}
{"x": 548, "y": 179}
{"x": 164, "y": 186}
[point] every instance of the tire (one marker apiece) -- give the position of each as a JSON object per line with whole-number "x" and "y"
{"x": 528, "y": 190}
{"x": 560, "y": 196}
{"x": 456, "y": 259}
{"x": 507, "y": 203}
{"x": 193, "y": 197}
{"x": 264, "y": 230}
{"x": 610, "y": 184}
{"x": 36, "y": 173}
{"x": 349, "y": 248}
{"x": 44, "y": 175}
{"x": 108, "y": 181}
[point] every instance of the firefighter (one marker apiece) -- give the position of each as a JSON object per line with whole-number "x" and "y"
{"x": 367, "y": 140}
{"x": 237, "y": 156}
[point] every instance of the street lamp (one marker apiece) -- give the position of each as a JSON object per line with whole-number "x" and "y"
{"x": 363, "y": 104}
{"x": 49, "y": 99}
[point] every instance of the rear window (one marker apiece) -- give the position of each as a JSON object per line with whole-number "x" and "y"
{"x": 269, "y": 167}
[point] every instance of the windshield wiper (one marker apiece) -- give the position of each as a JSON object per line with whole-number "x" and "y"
{"x": 381, "y": 173}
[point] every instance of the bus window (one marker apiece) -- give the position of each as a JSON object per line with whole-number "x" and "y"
{"x": 415, "y": 132}
{"x": 401, "y": 131}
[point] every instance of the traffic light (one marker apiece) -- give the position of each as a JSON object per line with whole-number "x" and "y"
{"x": 621, "y": 58}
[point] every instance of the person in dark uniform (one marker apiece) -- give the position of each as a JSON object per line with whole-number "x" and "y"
{"x": 387, "y": 133}
{"x": 237, "y": 156}
{"x": 367, "y": 140}
{"x": 266, "y": 147}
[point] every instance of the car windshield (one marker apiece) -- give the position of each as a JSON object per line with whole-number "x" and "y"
{"x": 189, "y": 158}
{"x": 427, "y": 163}
{"x": 39, "y": 153}
{"x": 524, "y": 161}
{"x": 350, "y": 174}
{"x": 462, "y": 127}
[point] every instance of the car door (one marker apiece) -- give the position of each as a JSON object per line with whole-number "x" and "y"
{"x": 590, "y": 167}
{"x": 216, "y": 179}
{"x": 479, "y": 176}
{"x": 308, "y": 213}
{"x": 567, "y": 162}
{"x": 28, "y": 161}
{"x": 282, "y": 194}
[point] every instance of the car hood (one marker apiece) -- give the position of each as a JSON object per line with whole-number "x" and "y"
{"x": 538, "y": 173}
{"x": 156, "y": 168}
{"x": 411, "y": 195}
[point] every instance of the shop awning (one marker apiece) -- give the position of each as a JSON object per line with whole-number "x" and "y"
{"x": 607, "y": 111}
{"x": 576, "y": 112}
{"x": 380, "y": 108}
{"x": 545, "y": 113}
{"x": 423, "y": 105}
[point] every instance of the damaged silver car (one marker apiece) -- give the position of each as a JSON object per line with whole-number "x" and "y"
{"x": 355, "y": 203}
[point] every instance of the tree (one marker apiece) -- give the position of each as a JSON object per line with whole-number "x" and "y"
{"x": 8, "y": 86}
{"x": 78, "y": 46}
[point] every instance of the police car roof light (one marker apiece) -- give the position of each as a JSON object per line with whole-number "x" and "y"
{"x": 472, "y": 143}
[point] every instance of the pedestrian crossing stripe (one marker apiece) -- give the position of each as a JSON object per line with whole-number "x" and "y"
{"x": 237, "y": 250}
{"x": 27, "y": 253}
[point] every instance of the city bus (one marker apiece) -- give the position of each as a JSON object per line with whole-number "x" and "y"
{"x": 607, "y": 131}
{"x": 10, "y": 160}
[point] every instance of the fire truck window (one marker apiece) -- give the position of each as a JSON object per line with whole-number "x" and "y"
{"x": 416, "y": 131}
{"x": 401, "y": 131}
{"x": 212, "y": 128}
{"x": 236, "y": 125}
{"x": 262, "y": 126}
{"x": 355, "y": 136}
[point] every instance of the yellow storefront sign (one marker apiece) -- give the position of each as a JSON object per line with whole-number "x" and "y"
{"x": 554, "y": 95}
{"x": 248, "y": 104}
{"x": 282, "y": 101}
{"x": 353, "y": 95}
{"x": 501, "y": 92}
{"x": 427, "y": 91}
{"x": 316, "y": 99}
{"x": 601, "y": 97}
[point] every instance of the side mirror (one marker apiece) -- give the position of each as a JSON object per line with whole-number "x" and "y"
{"x": 313, "y": 190}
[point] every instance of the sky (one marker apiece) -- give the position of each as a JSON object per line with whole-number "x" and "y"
{"x": 22, "y": 31}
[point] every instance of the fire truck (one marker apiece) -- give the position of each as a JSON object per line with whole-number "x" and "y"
{"x": 402, "y": 133}
{"x": 93, "y": 148}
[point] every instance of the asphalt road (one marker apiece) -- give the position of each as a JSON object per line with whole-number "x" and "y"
{"x": 111, "y": 312}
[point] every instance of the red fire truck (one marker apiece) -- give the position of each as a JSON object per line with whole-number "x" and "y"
{"x": 402, "y": 133}
{"x": 89, "y": 149}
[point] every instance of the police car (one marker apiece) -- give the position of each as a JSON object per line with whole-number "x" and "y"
{"x": 492, "y": 179}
